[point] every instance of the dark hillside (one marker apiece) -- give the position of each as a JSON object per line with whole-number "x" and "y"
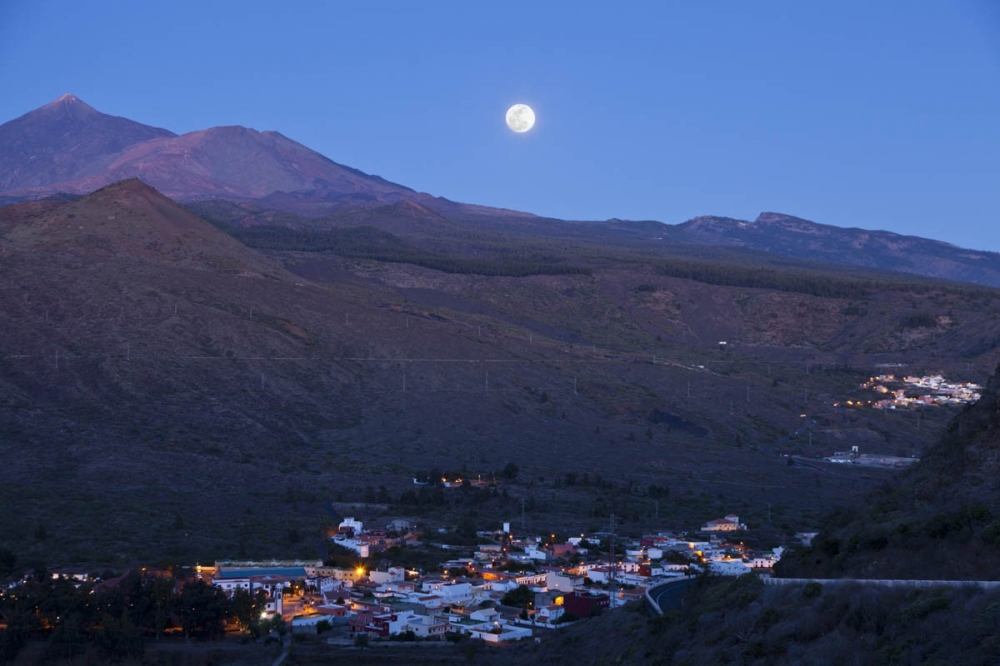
{"x": 939, "y": 519}
{"x": 207, "y": 399}
{"x": 742, "y": 621}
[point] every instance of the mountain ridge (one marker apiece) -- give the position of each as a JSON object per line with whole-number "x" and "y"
{"x": 796, "y": 237}
{"x": 285, "y": 178}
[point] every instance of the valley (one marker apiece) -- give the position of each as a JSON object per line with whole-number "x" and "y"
{"x": 290, "y": 379}
{"x": 224, "y": 346}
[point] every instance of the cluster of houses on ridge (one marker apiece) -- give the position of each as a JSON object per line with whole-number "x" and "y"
{"x": 940, "y": 392}
{"x": 565, "y": 581}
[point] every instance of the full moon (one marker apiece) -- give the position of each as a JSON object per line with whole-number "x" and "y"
{"x": 520, "y": 118}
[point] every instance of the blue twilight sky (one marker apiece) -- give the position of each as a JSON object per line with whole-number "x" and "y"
{"x": 850, "y": 112}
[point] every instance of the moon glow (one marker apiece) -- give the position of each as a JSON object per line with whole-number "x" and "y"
{"x": 520, "y": 118}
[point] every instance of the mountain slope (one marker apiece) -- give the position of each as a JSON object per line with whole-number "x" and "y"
{"x": 234, "y": 162}
{"x": 130, "y": 219}
{"x": 64, "y": 140}
{"x": 145, "y": 374}
{"x": 938, "y": 520}
{"x": 789, "y": 236}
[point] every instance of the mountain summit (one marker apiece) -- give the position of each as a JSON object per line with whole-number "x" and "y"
{"x": 64, "y": 140}
{"x": 68, "y": 146}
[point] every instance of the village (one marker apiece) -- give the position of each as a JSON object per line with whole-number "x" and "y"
{"x": 931, "y": 391}
{"x": 505, "y": 588}
{"x": 508, "y": 587}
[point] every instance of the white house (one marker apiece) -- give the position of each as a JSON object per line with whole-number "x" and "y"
{"x": 349, "y": 524}
{"x": 767, "y": 560}
{"x": 428, "y": 626}
{"x": 534, "y": 553}
{"x": 498, "y": 632}
{"x": 729, "y": 567}
{"x": 730, "y": 523}
{"x": 549, "y": 614}
{"x": 558, "y": 581}
{"x": 485, "y": 615}
{"x": 393, "y": 575}
{"x": 359, "y": 547}
{"x": 450, "y": 593}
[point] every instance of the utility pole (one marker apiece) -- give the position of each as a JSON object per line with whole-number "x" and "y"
{"x": 574, "y": 386}
{"x": 748, "y": 393}
{"x": 611, "y": 559}
{"x": 487, "y": 380}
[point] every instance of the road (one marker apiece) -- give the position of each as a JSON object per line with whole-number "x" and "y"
{"x": 668, "y": 596}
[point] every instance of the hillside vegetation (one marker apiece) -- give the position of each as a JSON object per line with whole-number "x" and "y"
{"x": 742, "y": 621}
{"x": 939, "y": 519}
{"x": 211, "y": 400}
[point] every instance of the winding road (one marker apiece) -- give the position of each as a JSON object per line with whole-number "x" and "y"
{"x": 669, "y": 595}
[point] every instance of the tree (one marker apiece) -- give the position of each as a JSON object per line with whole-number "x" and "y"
{"x": 278, "y": 625}
{"x": 246, "y": 608}
{"x": 510, "y": 471}
{"x": 7, "y": 561}
{"x": 466, "y": 528}
{"x": 203, "y": 609}
{"x": 361, "y": 641}
{"x": 119, "y": 638}
{"x": 68, "y": 638}
{"x": 520, "y": 597}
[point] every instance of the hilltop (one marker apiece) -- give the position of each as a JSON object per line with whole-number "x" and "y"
{"x": 127, "y": 219}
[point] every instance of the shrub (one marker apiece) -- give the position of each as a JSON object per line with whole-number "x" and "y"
{"x": 919, "y": 320}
